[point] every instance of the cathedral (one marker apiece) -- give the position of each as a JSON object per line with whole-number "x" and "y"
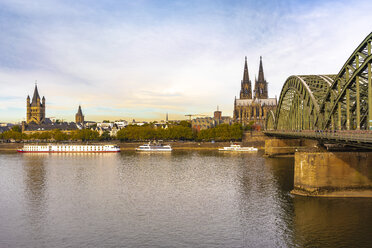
{"x": 35, "y": 109}
{"x": 253, "y": 107}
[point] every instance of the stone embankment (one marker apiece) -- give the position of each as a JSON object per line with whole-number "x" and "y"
{"x": 10, "y": 147}
{"x": 255, "y": 138}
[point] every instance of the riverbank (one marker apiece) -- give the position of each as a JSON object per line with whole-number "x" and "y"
{"x": 191, "y": 145}
{"x": 126, "y": 146}
{"x": 251, "y": 139}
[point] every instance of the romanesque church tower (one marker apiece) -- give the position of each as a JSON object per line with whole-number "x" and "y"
{"x": 260, "y": 87}
{"x": 79, "y": 117}
{"x": 36, "y": 109}
{"x": 246, "y": 86}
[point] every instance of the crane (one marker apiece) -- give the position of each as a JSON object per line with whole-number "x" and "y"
{"x": 191, "y": 115}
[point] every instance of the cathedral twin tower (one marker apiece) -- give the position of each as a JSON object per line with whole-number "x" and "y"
{"x": 260, "y": 88}
{"x": 253, "y": 106}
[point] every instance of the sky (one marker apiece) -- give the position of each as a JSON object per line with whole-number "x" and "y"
{"x": 145, "y": 58}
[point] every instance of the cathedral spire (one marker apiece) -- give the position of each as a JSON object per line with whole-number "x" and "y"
{"x": 261, "y": 77}
{"x": 245, "y": 74}
{"x": 246, "y": 87}
{"x": 260, "y": 88}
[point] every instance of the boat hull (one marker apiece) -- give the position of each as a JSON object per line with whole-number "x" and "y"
{"x": 238, "y": 148}
{"x": 222, "y": 150}
{"x": 67, "y": 151}
{"x": 154, "y": 148}
{"x": 141, "y": 150}
{"x": 69, "y": 148}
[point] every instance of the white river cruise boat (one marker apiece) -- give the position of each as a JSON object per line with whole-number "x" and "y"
{"x": 238, "y": 148}
{"x": 66, "y": 148}
{"x": 154, "y": 148}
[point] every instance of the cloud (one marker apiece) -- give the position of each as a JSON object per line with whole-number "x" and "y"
{"x": 144, "y": 58}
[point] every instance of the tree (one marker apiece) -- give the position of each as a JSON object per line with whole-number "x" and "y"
{"x": 236, "y": 132}
{"x": 185, "y": 123}
{"x": 223, "y": 132}
{"x": 16, "y": 128}
{"x": 10, "y": 134}
{"x": 58, "y": 135}
{"x": 105, "y": 136}
{"x": 14, "y": 133}
{"x": 249, "y": 126}
{"x": 85, "y": 135}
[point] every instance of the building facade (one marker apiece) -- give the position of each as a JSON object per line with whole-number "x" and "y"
{"x": 65, "y": 127}
{"x": 210, "y": 122}
{"x": 79, "y": 117}
{"x": 35, "y": 109}
{"x": 253, "y": 106}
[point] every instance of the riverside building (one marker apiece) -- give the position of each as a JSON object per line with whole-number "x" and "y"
{"x": 79, "y": 117}
{"x": 253, "y": 106}
{"x": 35, "y": 109}
{"x": 210, "y": 122}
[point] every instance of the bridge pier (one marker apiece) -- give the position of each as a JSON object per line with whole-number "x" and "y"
{"x": 277, "y": 147}
{"x": 333, "y": 174}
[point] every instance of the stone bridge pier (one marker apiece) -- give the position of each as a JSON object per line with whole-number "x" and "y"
{"x": 333, "y": 174}
{"x": 322, "y": 173}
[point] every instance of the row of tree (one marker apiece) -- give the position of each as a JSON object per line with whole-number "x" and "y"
{"x": 181, "y": 131}
{"x": 134, "y": 133}
{"x": 223, "y": 132}
{"x": 56, "y": 134}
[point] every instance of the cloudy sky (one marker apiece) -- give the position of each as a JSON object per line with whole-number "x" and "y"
{"x": 140, "y": 59}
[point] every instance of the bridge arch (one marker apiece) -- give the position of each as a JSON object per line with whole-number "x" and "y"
{"x": 342, "y": 101}
{"x": 348, "y": 102}
{"x": 270, "y": 120}
{"x": 300, "y": 101}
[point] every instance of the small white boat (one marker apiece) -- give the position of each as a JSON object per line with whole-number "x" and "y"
{"x": 69, "y": 148}
{"x": 238, "y": 148}
{"x": 154, "y": 148}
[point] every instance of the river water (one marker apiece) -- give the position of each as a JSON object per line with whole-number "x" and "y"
{"x": 182, "y": 199}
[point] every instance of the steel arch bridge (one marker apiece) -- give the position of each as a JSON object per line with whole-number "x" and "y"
{"x": 341, "y": 102}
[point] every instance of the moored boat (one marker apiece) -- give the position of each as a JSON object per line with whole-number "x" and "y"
{"x": 154, "y": 148}
{"x": 67, "y": 148}
{"x": 238, "y": 148}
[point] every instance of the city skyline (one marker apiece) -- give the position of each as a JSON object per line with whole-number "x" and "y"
{"x": 142, "y": 60}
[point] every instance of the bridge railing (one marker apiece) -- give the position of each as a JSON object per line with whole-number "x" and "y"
{"x": 362, "y": 136}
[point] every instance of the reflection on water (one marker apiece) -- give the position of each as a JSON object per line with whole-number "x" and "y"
{"x": 35, "y": 186}
{"x": 323, "y": 222}
{"x": 178, "y": 199}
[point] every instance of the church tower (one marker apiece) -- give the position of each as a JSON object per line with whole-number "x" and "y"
{"x": 79, "y": 117}
{"x": 246, "y": 86}
{"x": 35, "y": 109}
{"x": 260, "y": 87}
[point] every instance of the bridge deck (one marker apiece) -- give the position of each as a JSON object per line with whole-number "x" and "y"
{"x": 353, "y": 138}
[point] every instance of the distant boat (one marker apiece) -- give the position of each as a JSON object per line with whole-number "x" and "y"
{"x": 65, "y": 148}
{"x": 154, "y": 148}
{"x": 238, "y": 148}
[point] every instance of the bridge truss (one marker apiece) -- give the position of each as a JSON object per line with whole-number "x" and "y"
{"x": 328, "y": 102}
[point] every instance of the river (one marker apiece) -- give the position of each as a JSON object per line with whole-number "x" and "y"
{"x": 182, "y": 199}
